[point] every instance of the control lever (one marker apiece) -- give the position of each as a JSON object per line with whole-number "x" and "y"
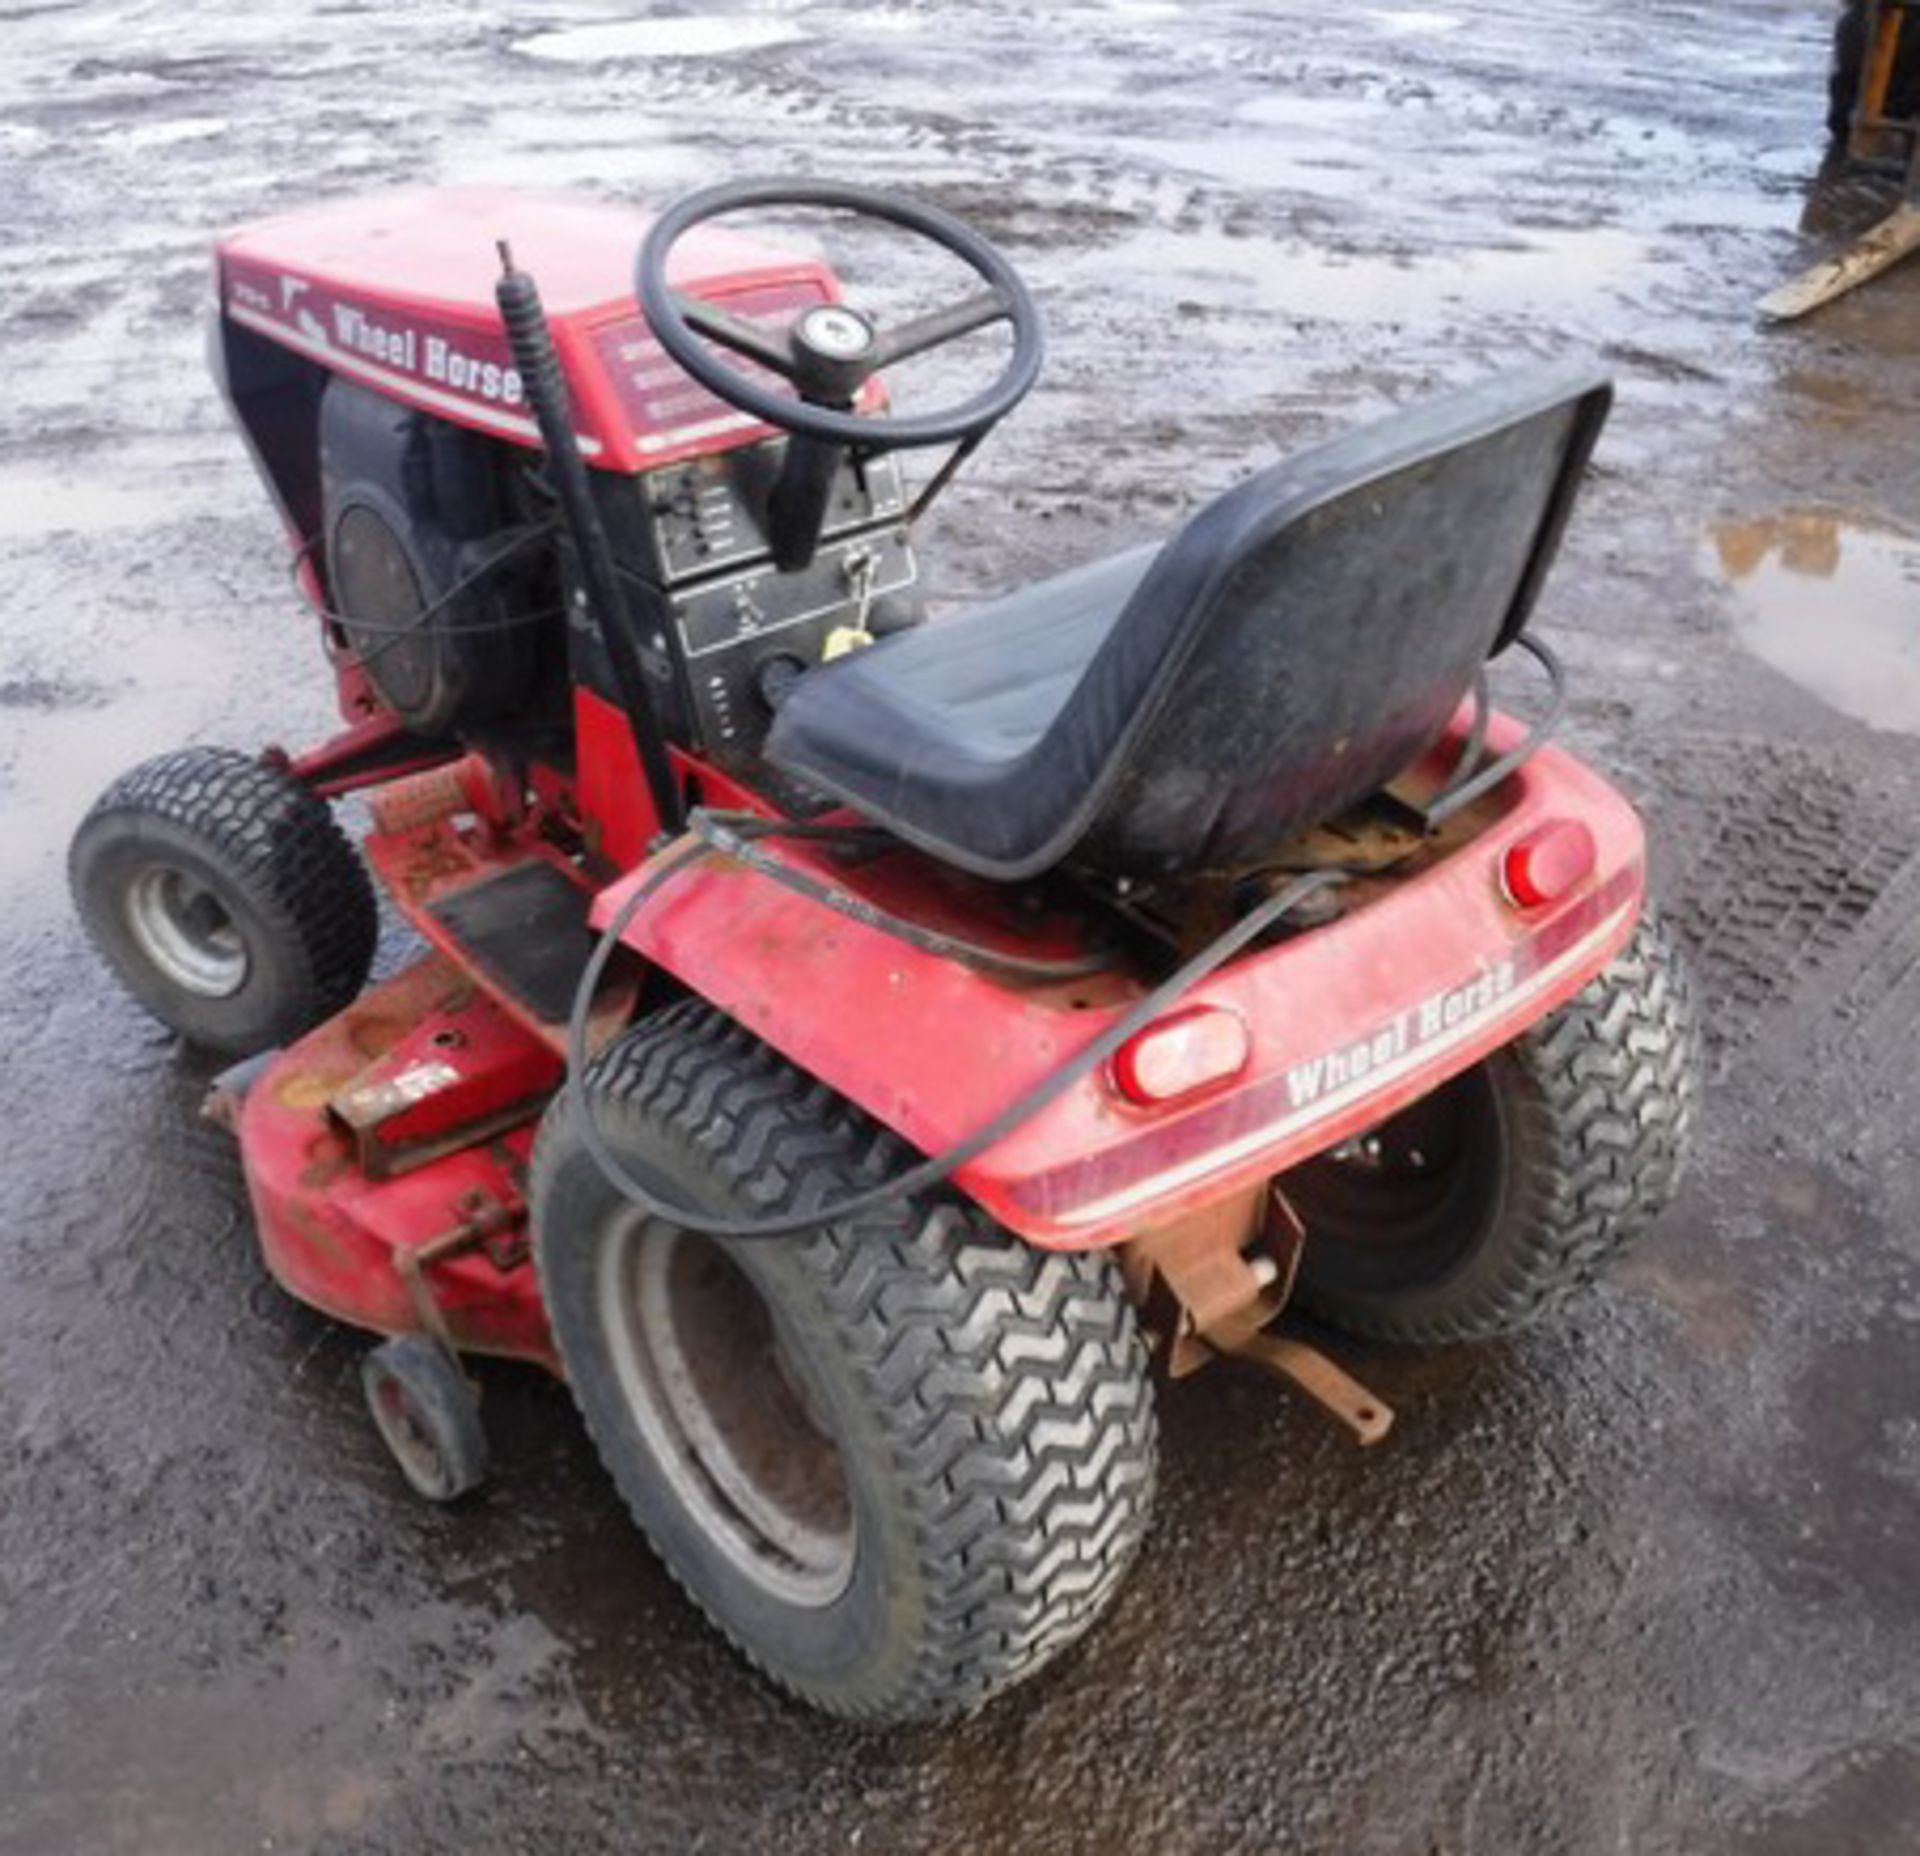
{"x": 797, "y": 506}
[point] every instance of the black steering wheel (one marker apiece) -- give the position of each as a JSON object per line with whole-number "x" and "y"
{"x": 831, "y": 350}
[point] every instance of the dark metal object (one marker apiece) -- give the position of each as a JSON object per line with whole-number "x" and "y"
{"x": 1212, "y": 1285}
{"x": 526, "y": 929}
{"x": 797, "y": 505}
{"x": 1875, "y": 138}
{"x": 369, "y": 753}
{"x": 546, "y": 390}
{"x": 1874, "y": 135}
{"x": 498, "y": 1226}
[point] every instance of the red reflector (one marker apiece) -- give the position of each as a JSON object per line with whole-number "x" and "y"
{"x": 1547, "y": 863}
{"x": 1180, "y": 1053}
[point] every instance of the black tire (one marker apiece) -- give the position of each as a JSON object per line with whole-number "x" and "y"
{"x": 960, "y": 1428}
{"x": 225, "y": 899}
{"x": 427, "y": 1414}
{"x": 1485, "y": 1204}
{"x": 1850, "y": 54}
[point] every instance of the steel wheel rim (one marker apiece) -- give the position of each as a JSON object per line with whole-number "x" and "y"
{"x": 1404, "y": 1203}
{"x": 187, "y": 932}
{"x": 725, "y": 1414}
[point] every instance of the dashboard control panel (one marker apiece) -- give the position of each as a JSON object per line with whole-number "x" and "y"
{"x": 745, "y": 628}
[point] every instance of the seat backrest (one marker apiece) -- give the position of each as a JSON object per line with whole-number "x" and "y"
{"x": 1309, "y": 634}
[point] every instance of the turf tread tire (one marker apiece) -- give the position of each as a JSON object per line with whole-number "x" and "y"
{"x": 279, "y": 847}
{"x": 1604, "y": 1091}
{"x": 1008, "y": 1386}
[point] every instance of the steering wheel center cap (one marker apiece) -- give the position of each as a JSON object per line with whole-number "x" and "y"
{"x": 835, "y": 332}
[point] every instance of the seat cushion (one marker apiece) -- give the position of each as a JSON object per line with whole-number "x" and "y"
{"x": 928, "y": 723}
{"x": 1304, "y": 638}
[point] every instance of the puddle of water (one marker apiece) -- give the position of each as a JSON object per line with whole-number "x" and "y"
{"x": 1415, "y": 22}
{"x": 167, "y": 134}
{"x": 1548, "y": 269}
{"x": 692, "y": 35}
{"x": 1832, "y": 604}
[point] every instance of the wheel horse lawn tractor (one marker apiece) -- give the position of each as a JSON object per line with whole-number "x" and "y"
{"x": 850, "y": 1050}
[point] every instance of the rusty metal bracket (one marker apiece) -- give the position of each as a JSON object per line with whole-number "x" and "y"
{"x": 1211, "y": 1286}
{"x": 1330, "y": 1386}
{"x": 488, "y": 1223}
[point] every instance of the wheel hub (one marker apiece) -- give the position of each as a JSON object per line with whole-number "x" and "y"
{"x": 184, "y": 928}
{"x": 728, "y": 1412}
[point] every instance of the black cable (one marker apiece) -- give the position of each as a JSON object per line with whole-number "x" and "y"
{"x": 598, "y": 575}
{"x": 927, "y": 1173}
{"x": 1476, "y": 741}
{"x": 1439, "y": 810}
{"x": 394, "y": 634}
{"x": 729, "y": 833}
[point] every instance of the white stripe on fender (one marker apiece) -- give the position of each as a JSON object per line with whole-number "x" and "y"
{"x": 403, "y": 384}
{"x": 1218, "y": 1159}
{"x": 692, "y": 434}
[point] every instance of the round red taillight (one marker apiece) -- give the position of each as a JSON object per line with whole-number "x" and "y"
{"x": 1547, "y": 863}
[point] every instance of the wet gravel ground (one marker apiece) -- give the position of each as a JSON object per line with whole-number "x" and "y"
{"x": 1642, "y": 1581}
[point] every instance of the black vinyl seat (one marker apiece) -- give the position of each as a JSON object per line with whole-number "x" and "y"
{"x": 1302, "y": 640}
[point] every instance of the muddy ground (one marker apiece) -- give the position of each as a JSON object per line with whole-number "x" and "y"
{"x": 1643, "y": 1581}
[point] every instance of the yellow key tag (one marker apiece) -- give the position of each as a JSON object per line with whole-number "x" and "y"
{"x": 842, "y": 639}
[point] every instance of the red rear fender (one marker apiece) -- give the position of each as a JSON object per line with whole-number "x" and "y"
{"x": 1347, "y": 1023}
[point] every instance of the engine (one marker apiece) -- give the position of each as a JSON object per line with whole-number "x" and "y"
{"x": 439, "y": 590}
{"x": 361, "y": 349}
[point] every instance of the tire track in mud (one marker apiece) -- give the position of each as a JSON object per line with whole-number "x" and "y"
{"x": 1783, "y": 860}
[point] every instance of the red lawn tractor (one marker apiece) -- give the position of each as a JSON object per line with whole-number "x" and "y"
{"x": 852, "y": 1050}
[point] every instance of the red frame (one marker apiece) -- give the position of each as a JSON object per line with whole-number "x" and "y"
{"x": 1432, "y": 973}
{"x": 1348, "y": 1023}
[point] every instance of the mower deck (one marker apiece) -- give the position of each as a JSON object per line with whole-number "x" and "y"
{"x": 400, "y": 1126}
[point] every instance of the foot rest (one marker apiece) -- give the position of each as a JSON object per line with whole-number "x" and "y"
{"x": 526, "y": 931}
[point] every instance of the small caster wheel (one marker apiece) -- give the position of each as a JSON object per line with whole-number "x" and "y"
{"x": 428, "y": 1414}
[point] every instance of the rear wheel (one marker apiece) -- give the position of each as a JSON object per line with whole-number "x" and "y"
{"x": 901, "y": 1462}
{"x": 1477, "y": 1209}
{"x": 225, "y": 899}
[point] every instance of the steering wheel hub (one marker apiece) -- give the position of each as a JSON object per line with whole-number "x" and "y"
{"x": 831, "y": 349}
{"x": 835, "y": 333}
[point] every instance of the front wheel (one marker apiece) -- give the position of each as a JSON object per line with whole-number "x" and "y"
{"x": 1474, "y": 1211}
{"x": 225, "y": 898}
{"x": 901, "y": 1462}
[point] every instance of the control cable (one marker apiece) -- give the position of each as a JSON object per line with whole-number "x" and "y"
{"x": 929, "y": 1172}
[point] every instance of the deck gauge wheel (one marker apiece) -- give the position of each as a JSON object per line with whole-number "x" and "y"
{"x": 428, "y": 1414}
